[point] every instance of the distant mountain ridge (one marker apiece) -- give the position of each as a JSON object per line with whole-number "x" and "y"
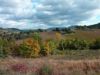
{"x": 94, "y": 26}
{"x": 10, "y": 30}
{"x": 97, "y": 26}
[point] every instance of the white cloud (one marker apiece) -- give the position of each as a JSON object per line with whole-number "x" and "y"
{"x": 48, "y": 13}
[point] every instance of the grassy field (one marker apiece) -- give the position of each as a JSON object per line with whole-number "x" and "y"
{"x": 67, "y": 62}
{"x": 77, "y": 55}
{"x": 87, "y": 35}
{"x": 82, "y": 62}
{"x": 81, "y": 34}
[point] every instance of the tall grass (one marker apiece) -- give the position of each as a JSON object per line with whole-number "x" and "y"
{"x": 49, "y": 67}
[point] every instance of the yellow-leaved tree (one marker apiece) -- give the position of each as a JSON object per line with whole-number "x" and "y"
{"x": 34, "y": 45}
{"x": 49, "y": 46}
{"x": 30, "y": 47}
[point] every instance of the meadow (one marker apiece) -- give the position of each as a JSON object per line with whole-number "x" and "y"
{"x": 47, "y": 66}
{"x": 52, "y": 53}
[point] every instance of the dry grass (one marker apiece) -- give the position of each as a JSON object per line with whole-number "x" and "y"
{"x": 81, "y": 34}
{"x": 87, "y": 35}
{"x": 59, "y": 67}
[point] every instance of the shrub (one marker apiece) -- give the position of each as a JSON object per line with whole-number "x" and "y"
{"x": 14, "y": 49}
{"x": 4, "y": 50}
{"x": 36, "y": 36}
{"x": 35, "y": 49}
{"x": 73, "y": 44}
{"x": 29, "y": 48}
{"x": 48, "y": 47}
{"x": 24, "y": 51}
{"x": 95, "y": 44}
{"x": 79, "y": 44}
{"x": 62, "y": 45}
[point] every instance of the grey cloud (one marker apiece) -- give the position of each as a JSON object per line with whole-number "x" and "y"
{"x": 73, "y": 12}
{"x": 48, "y": 13}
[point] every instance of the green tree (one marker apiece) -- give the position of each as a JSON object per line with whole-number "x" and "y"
{"x": 74, "y": 44}
{"x": 24, "y": 51}
{"x": 4, "y": 50}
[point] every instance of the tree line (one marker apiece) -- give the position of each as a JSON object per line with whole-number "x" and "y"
{"x": 36, "y": 47}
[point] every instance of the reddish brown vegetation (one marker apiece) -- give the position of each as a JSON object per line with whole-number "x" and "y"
{"x": 59, "y": 67}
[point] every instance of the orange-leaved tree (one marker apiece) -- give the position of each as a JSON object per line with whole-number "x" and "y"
{"x": 35, "y": 47}
{"x": 30, "y": 48}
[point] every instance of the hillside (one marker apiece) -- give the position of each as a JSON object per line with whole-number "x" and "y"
{"x": 97, "y": 26}
{"x": 54, "y": 51}
{"x": 86, "y": 27}
{"x": 84, "y": 32}
{"x": 87, "y": 35}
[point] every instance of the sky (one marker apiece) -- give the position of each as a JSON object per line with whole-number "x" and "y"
{"x": 36, "y": 14}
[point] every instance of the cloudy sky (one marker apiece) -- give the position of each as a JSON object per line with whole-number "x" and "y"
{"x": 32, "y": 14}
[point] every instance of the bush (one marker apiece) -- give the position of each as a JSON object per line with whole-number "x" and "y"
{"x": 36, "y": 36}
{"x": 29, "y": 48}
{"x": 4, "y": 49}
{"x": 48, "y": 47}
{"x": 73, "y": 44}
{"x": 24, "y": 51}
{"x": 79, "y": 44}
{"x": 95, "y": 44}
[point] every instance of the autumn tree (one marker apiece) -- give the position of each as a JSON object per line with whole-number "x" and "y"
{"x": 35, "y": 47}
{"x": 49, "y": 47}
